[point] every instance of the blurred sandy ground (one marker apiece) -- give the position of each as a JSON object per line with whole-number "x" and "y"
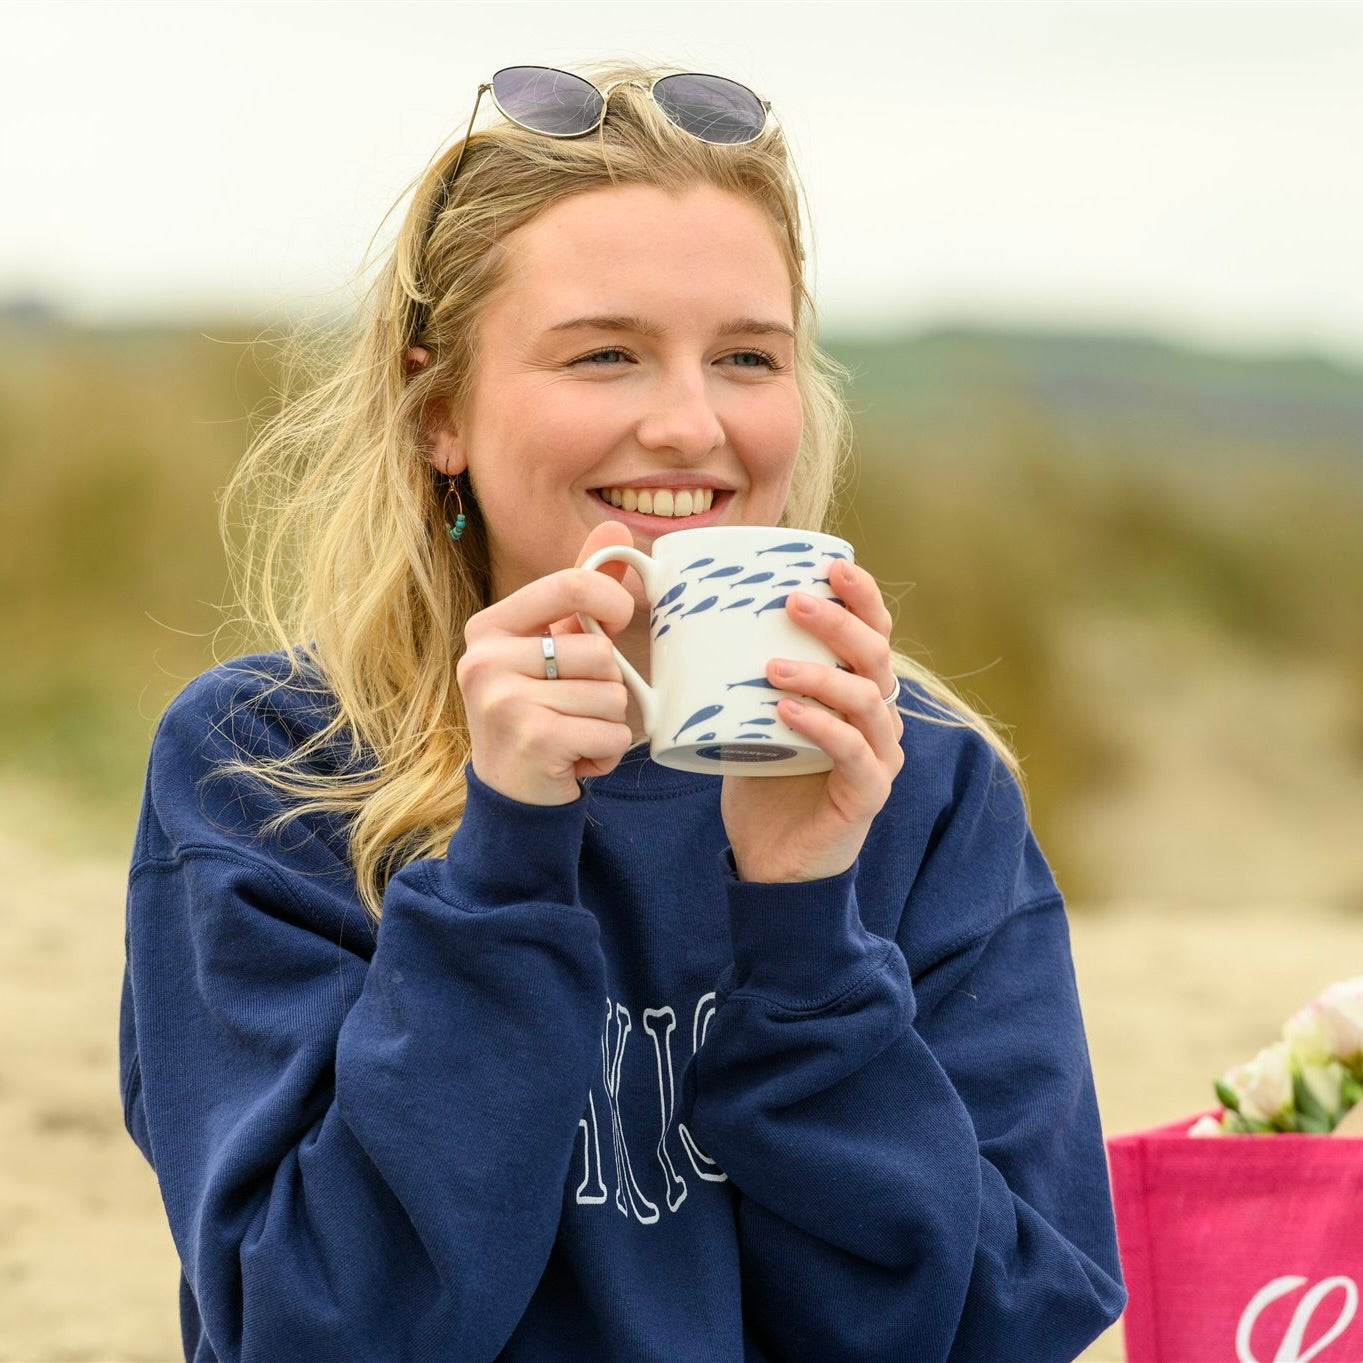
{"x": 1231, "y": 834}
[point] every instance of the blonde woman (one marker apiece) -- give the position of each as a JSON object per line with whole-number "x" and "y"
{"x": 454, "y": 1027}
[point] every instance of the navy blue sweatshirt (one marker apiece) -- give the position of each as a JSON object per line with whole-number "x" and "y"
{"x": 581, "y": 1094}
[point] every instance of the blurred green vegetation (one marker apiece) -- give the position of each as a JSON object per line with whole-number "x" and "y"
{"x": 1006, "y": 483}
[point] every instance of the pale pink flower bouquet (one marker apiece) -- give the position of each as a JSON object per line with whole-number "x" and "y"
{"x": 1307, "y": 1081}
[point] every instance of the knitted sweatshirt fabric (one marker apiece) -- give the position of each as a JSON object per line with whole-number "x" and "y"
{"x": 582, "y": 1094}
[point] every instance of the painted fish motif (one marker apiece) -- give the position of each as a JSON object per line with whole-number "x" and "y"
{"x": 701, "y": 606}
{"x": 723, "y": 572}
{"x": 775, "y": 604}
{"x": 754, "y": 681}
{"x": 742, "y": 601}
{"x": 795, "y": 547}
{"x": 699, "y": 563}
{"x": 701, "y": 715}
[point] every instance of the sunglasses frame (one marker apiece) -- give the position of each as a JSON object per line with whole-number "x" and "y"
{"x": 487, "y": 88}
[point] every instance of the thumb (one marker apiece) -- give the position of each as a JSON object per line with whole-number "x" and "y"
{"x": 600, "y": 536}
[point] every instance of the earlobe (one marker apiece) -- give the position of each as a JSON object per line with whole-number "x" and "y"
{"x": 447, "y": 450}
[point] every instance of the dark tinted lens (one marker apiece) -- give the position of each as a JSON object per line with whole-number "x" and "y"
{"x": 711, "y": 108}
{"x": 547, "y": 101}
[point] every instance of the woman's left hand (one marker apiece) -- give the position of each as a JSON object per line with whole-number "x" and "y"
{"x": 791, "y": 828}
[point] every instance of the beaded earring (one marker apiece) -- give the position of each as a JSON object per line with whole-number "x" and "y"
{"x": 457, "y": 529}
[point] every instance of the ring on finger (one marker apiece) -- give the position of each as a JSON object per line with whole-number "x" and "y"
{"x": 894, "y": 694}
{"x": 550, "y": 657}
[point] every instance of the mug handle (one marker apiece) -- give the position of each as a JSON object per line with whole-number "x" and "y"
{"x": 643, "y": 693}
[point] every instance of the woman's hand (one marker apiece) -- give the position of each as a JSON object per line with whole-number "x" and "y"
{"x": 532, "y": 737}
{"x": 790, "y": 828}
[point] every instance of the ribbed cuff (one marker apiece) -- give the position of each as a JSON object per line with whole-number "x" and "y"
{"x": 506, "y": 852}
{"x": 802, "y": 944}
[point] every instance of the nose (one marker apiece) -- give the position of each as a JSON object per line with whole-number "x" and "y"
{"x": 680, "y": 419}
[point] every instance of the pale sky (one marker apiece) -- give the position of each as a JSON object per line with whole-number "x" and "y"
{"x": 1190, "y": 170}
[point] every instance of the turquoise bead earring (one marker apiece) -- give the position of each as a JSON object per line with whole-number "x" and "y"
{"x": 457, "y": 529}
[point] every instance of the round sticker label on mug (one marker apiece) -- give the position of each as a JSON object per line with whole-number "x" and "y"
{"x": 717, "y": 616}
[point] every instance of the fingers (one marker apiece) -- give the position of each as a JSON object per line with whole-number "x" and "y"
{"x": 555, "y": 601}
{"x": 583, "y": 657}
{"x": 858, "y": 633}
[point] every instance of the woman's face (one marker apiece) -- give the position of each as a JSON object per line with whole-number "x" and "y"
{"x": 636, "y": 365}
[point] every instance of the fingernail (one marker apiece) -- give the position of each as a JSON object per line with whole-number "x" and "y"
{"x": 804, "y": 604}
{"x": 793, "y": 706}
{"x": 784, "y": 669}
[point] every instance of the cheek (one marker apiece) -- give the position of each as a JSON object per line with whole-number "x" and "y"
{"x": 773, "y": 431}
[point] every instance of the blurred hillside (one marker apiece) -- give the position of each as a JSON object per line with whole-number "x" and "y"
{"x": 1060, "y": 518}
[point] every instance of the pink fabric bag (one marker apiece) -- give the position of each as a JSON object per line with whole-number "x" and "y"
{"x": 1240, "y": 1249}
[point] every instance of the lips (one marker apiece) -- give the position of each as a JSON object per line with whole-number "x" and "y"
{"x": 676, "y": 503}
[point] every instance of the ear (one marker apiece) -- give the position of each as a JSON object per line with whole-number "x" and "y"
{"x": 446, "y": 447}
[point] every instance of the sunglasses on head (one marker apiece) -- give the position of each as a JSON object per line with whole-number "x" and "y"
{"x": 556, "y": 103}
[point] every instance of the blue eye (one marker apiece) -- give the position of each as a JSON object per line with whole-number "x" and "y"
{"x": 609, "y": 355}
{"x": 752, "y": 359}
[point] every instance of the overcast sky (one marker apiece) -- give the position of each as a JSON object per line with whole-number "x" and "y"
{"x": 1192, "y": 170}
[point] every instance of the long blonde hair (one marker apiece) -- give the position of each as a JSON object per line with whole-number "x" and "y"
{"x": 335, "y": 519}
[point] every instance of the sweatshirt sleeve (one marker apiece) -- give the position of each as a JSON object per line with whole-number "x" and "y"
{"x": 359, "y": 1158}
{"x": 917, "y": 1153}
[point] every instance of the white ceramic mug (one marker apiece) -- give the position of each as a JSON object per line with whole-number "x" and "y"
{"x": 717, "y": 617}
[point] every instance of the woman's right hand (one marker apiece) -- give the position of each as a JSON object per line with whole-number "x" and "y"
{"x": 531, "y": 738}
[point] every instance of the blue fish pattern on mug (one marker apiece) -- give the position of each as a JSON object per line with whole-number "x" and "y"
{"x": 705, "y": 712}
{"x": 733, "y": 576}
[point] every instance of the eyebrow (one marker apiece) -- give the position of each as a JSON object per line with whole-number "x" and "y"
{"x": 738, "y": 326}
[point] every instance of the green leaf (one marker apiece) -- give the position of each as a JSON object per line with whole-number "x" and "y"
{"x": 1228, "y": 1096}
{"x": 1307, "y": 1102}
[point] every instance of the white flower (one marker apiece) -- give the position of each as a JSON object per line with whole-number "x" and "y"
{"x": 1309, "y": 1037}
{"x": 1263, "y": 1086}
{"x": 1341, "y": 1016}
{"x": 1206, "y": 1125}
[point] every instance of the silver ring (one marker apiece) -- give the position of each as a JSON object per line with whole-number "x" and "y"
{"x": 893, "y": 696}
{"x": 550, "y": 657}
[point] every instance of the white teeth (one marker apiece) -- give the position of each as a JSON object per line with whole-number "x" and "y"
{"x": 663, "y": 501}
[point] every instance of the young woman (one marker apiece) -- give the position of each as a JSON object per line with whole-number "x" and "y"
{"x": 455, "y": 1028}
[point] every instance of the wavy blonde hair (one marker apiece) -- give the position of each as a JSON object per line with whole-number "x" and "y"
{"x": 335, "y": 518}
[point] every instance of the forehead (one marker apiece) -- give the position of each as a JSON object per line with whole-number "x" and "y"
{"x": 629, "y": 247}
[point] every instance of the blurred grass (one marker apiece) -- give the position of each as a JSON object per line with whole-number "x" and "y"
{"x": 1005, "y": 483}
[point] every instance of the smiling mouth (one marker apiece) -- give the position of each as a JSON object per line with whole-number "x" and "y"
{"x": 676, "y": 503}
